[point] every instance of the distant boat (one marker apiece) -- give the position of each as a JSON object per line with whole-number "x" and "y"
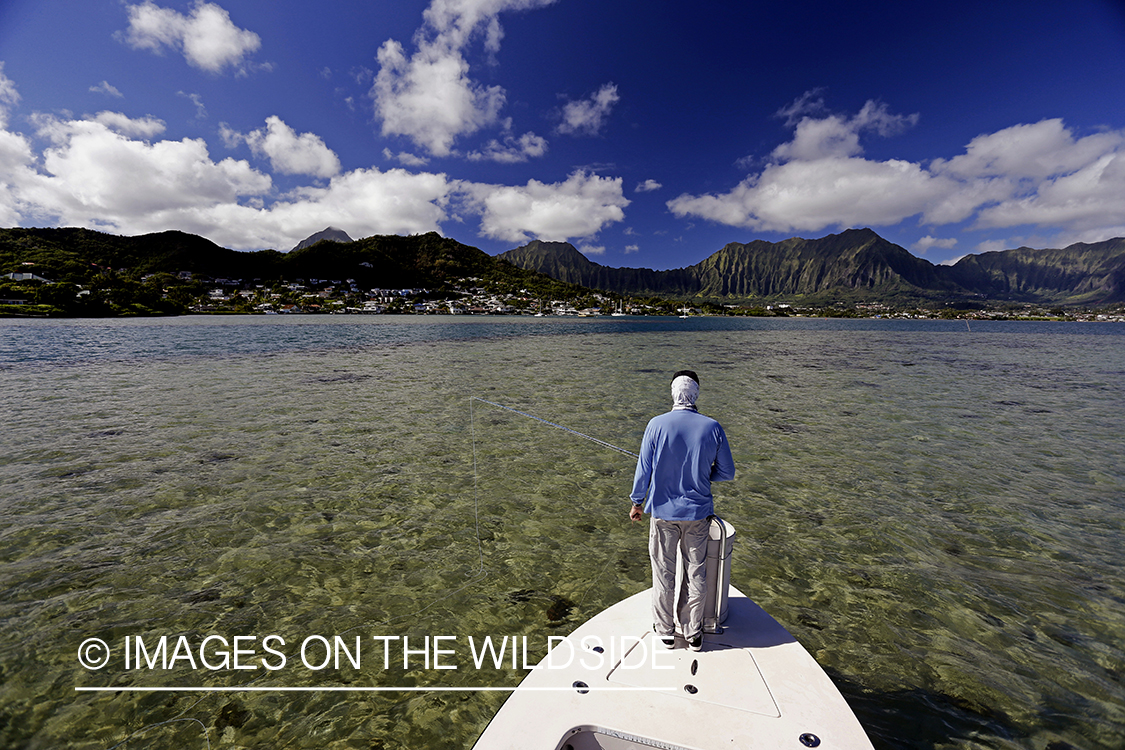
{"x": 684, "y": 310}
{"x": 619, "y": 313}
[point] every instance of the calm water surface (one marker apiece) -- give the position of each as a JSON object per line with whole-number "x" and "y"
{"x": 936, "y": 513}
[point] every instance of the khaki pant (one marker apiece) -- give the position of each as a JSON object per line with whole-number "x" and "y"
{"x": 665, "y": 538}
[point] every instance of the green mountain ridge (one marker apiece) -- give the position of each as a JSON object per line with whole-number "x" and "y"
{"x": 1093, "y": 273}
{"x": 75, "y": 255}
{"x": 851, "y": 267}
{"x": 133, "y": 275}
{"x": 854, "y": 266}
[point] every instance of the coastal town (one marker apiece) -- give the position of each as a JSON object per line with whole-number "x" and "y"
{"x": 471, "y": 297}
{"x": 29, "y": 295}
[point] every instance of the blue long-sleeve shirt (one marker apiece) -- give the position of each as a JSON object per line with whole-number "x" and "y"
{"x": 682, "y": 453}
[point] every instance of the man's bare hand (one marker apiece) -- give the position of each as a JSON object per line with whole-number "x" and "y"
{"x": 636, "y": 513}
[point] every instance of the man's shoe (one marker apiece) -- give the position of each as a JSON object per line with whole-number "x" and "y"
{"x": 696, "y": 643}
{"x": 669, "y": 641}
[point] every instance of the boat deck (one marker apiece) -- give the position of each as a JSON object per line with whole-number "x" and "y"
{"x": 752, "y": 686}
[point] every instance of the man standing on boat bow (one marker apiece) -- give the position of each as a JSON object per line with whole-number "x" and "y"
{"x": 681, "y": 454}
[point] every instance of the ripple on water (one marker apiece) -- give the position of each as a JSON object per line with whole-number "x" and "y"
{"x": 936, "y": 516}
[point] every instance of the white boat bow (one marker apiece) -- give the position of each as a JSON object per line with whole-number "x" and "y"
{"x": 752, "y": 686}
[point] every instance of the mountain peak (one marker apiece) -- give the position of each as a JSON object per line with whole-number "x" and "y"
{"x": 855, "y": 265}
{"x": 556, "y": 248}
{"x": 332, "y": 234}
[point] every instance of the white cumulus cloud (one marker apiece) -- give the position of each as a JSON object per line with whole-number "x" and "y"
{"x": 197, "y": 100}
{"x": 9, "y": 97}
{"x": 288, "y": 152}
{"x": 812, "y": 195}
{"x": 925, "y": 243}
{"x": 512, "y": 150}
{"x": 1036, "y": 174}
{"x": 1036, "y": 151}
{"x": 108, "y": 171}
{"x": 587, "y": 116}
{"x": 105, "y": 87}
{"x": 207, "y": 37}
{"x": 1083, "y": 199}
{"x": 367, "y": 201}
{"x": 405, "y": 158}
{"x": 17, "y": 165}
{"x": 429, "y": 96}
{"x": 93, "y": 174}
{"x": 144, "y": 127}
{"x": 648, "y": 186}
{"x": 837, "y": 136}
{"x": 578, "y": 207}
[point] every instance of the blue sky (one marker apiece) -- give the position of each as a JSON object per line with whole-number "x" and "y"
{"x": 647, "y": 133}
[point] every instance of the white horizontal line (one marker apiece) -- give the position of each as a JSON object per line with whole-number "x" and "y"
{"x": 357, "y": 689}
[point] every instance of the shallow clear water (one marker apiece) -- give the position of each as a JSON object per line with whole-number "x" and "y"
{"x": 936, "y": 513}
